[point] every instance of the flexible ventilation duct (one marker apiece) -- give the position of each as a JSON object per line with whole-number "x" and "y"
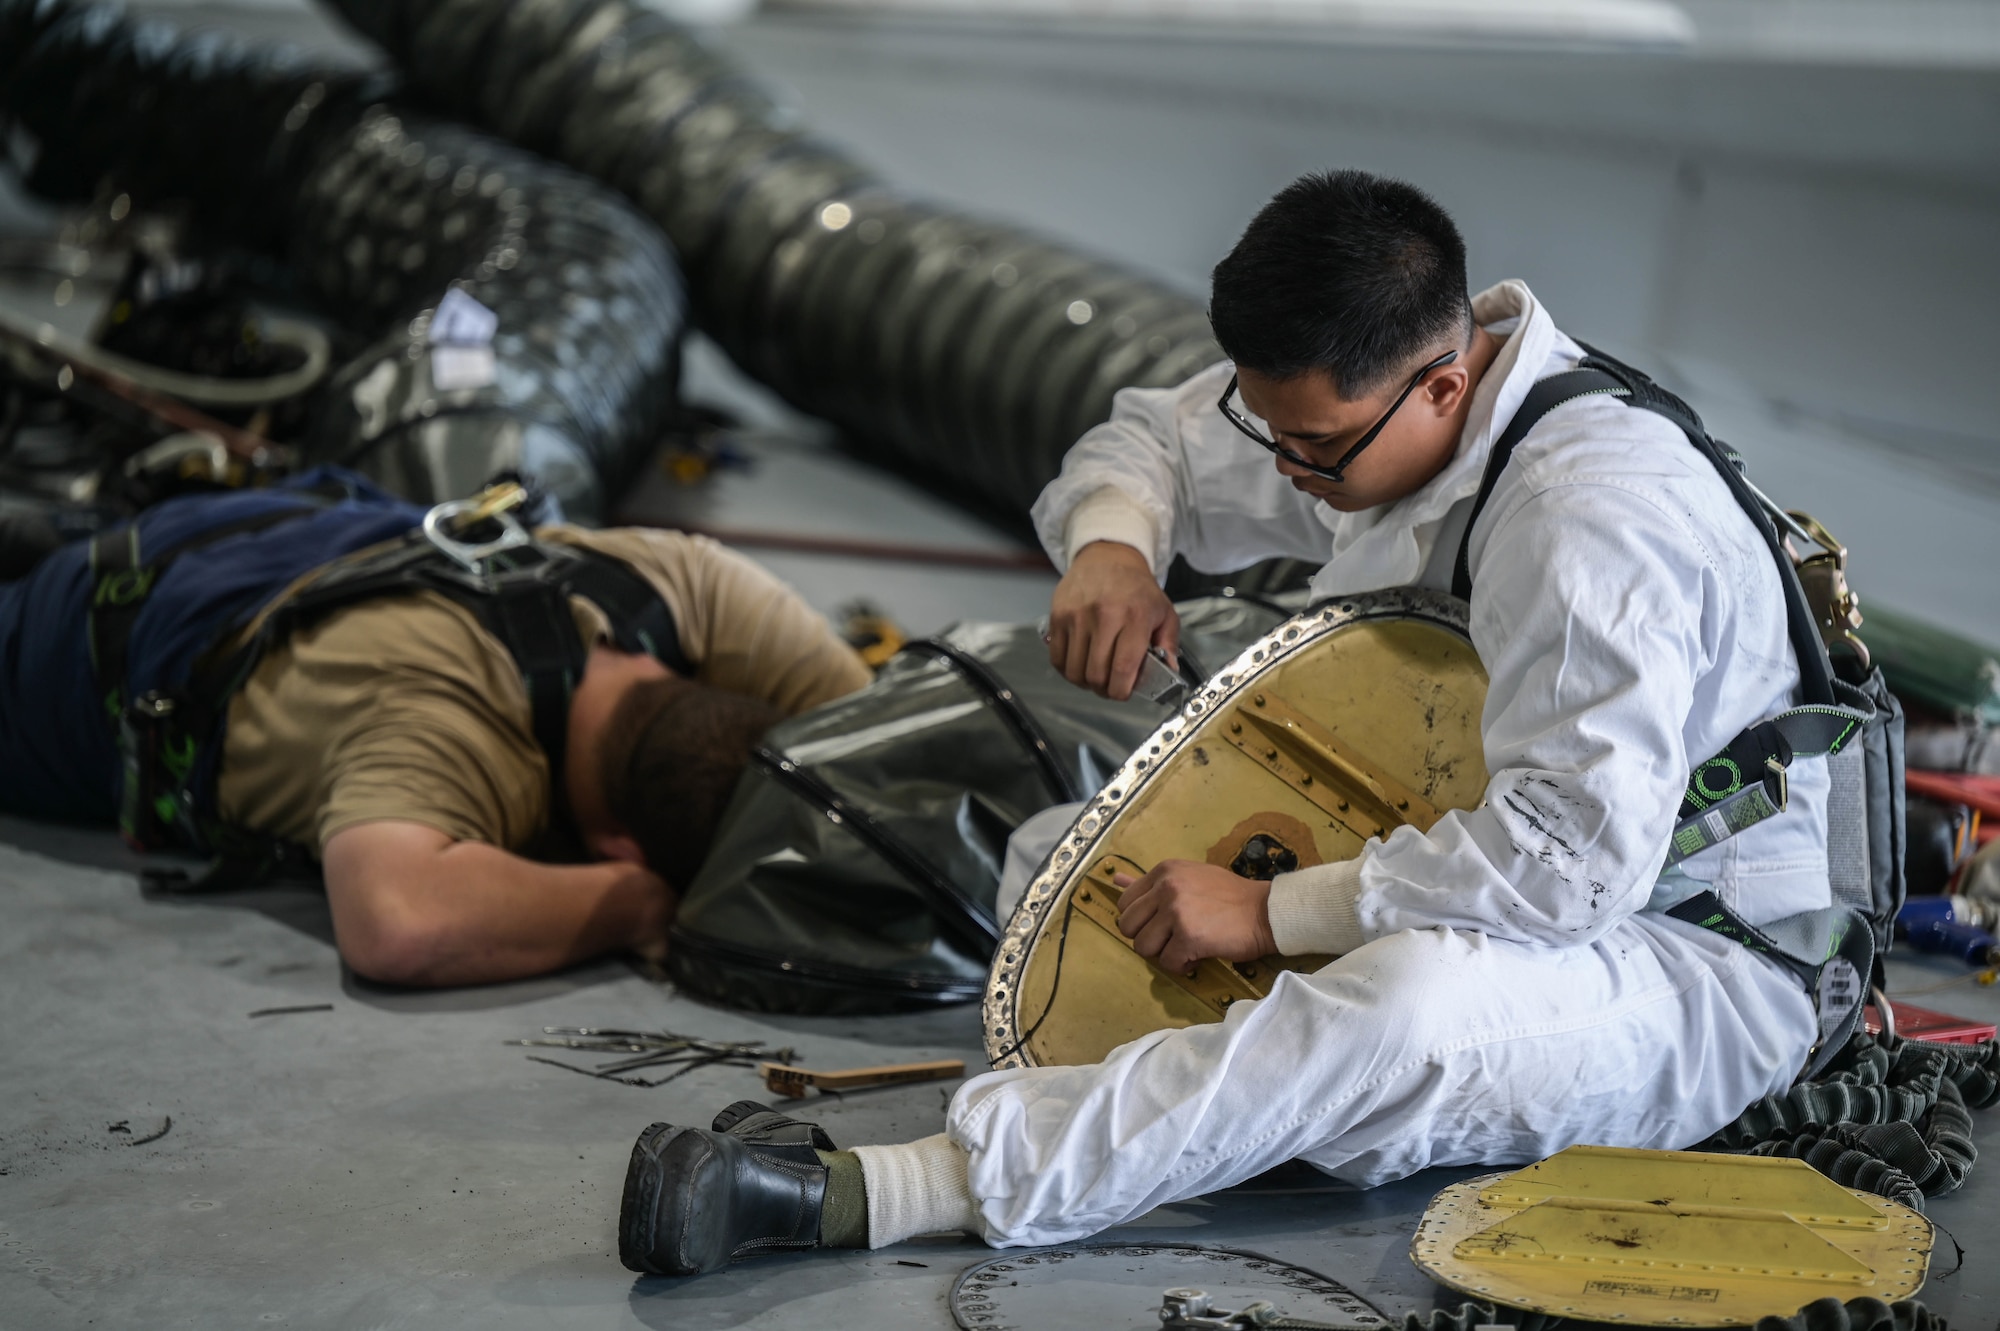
{"x": 969, "y": 353}
{"x": 378, "y": 212}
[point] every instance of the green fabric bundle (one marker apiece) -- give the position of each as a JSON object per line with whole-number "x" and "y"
{"x": 1933, "y": 666}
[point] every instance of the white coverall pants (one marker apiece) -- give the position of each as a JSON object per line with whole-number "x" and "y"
{"x": 1427, "y": 1047}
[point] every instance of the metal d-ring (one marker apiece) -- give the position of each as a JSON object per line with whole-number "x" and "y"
{"x": 473, "y": 557}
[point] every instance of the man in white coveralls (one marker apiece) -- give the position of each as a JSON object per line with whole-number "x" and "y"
{"x": 1507, "y": 985}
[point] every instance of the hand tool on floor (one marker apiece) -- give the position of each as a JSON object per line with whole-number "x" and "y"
{"x": 651, "y": 1049}
{"x": 794, "y": 1082}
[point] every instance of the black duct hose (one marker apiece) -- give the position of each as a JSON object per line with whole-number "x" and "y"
{"x": 1857, "y": 1315}
{"x": 586, "y": 358}
{"x": 1823, "y": 1102}
{"x": 378, "y": 212}
{"x": 968, "y": 354}
{"x": 1891, "y": 1118}
{"x": 1820, "y": 1315}
{"x": 1852, "y": 1160}
{"x": 1903, "y": 1161}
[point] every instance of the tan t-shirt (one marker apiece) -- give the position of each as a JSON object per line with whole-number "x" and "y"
{"x": 406, "y": 708}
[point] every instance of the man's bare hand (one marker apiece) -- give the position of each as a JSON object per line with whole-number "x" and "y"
{"x": 1106, "y": 612}
{"x": 1184, "y": 911}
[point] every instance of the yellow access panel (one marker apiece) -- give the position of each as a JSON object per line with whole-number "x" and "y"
{"x": 1669, "y": 1238}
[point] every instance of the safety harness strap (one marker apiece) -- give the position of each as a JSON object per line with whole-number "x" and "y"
{"x": 1600, "y": 375}
{"x": 1546, "y": 395}
{"x": 521, "y": 597}
{"x": 640, "y": 619}
{"x": 1831, "y": 952}
{"x": 1746, "y": 783}
{"x": 532, "y": 620}
{"x": 123, "y": 578}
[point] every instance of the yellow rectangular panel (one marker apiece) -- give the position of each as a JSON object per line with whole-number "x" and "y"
{"x": 1652, "y": 1239}
{"x": 1686, "y": 1180}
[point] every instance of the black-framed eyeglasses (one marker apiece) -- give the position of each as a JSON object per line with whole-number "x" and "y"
{"x": 1338, "y": 471}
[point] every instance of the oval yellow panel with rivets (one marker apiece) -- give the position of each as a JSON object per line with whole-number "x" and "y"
{"x": 1339, "y": 726}
{"x": 1669, "y": 1238}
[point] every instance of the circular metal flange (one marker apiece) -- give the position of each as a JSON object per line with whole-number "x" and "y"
{"x": 1067, "y": 859}
{"x": 1113, "y": 1287}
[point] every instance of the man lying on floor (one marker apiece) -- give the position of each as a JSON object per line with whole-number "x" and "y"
{"x": 1508, "y": 983}
{"x": 469, "y": 832}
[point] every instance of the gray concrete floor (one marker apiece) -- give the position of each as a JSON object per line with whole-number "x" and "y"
{"x": 391, "y": 1162}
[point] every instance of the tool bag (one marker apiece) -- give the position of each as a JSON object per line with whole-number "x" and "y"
{"x": 1846, "y": 712}
{"x": 856, "y": 867}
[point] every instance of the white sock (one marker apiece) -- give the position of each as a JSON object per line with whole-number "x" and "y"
{"x": 916, "y": 1188}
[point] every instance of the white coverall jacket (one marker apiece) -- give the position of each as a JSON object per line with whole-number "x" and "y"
{"x": 1507, "y": 986}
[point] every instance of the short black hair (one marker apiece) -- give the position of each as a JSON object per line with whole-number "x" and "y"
{"x": 1344, "y": 272}
{"x": 675, "y": 750}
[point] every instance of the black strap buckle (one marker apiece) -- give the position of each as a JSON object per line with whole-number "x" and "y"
{"x": 158, "y": 758}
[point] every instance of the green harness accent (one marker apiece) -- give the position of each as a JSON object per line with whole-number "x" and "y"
{"x": 155, "y": 766}
{"x": 1720, "y": 802}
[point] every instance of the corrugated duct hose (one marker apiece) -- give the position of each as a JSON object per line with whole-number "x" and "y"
{"x": 1890, "y": 1118}
{"x": 968, "y": 354}
{"x": 377, "y": 211}
{"x": 1820, "y": 1315}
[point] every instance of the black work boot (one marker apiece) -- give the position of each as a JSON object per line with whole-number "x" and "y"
{"x": 695, "y": 1200}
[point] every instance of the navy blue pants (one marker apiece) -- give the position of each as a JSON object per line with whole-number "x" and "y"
{"x": 58, "y": 753}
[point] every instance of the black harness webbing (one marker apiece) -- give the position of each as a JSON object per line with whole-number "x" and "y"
{"x": 521, "y": 595}
{"x": 123, "y": 577}
{"x": 1745, "y": 783}
{"x": 1599, "y": 374}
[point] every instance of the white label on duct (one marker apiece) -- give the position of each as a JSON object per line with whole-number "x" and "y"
{"x": 461, "y": 321}
{"x": 457, "y": 368}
